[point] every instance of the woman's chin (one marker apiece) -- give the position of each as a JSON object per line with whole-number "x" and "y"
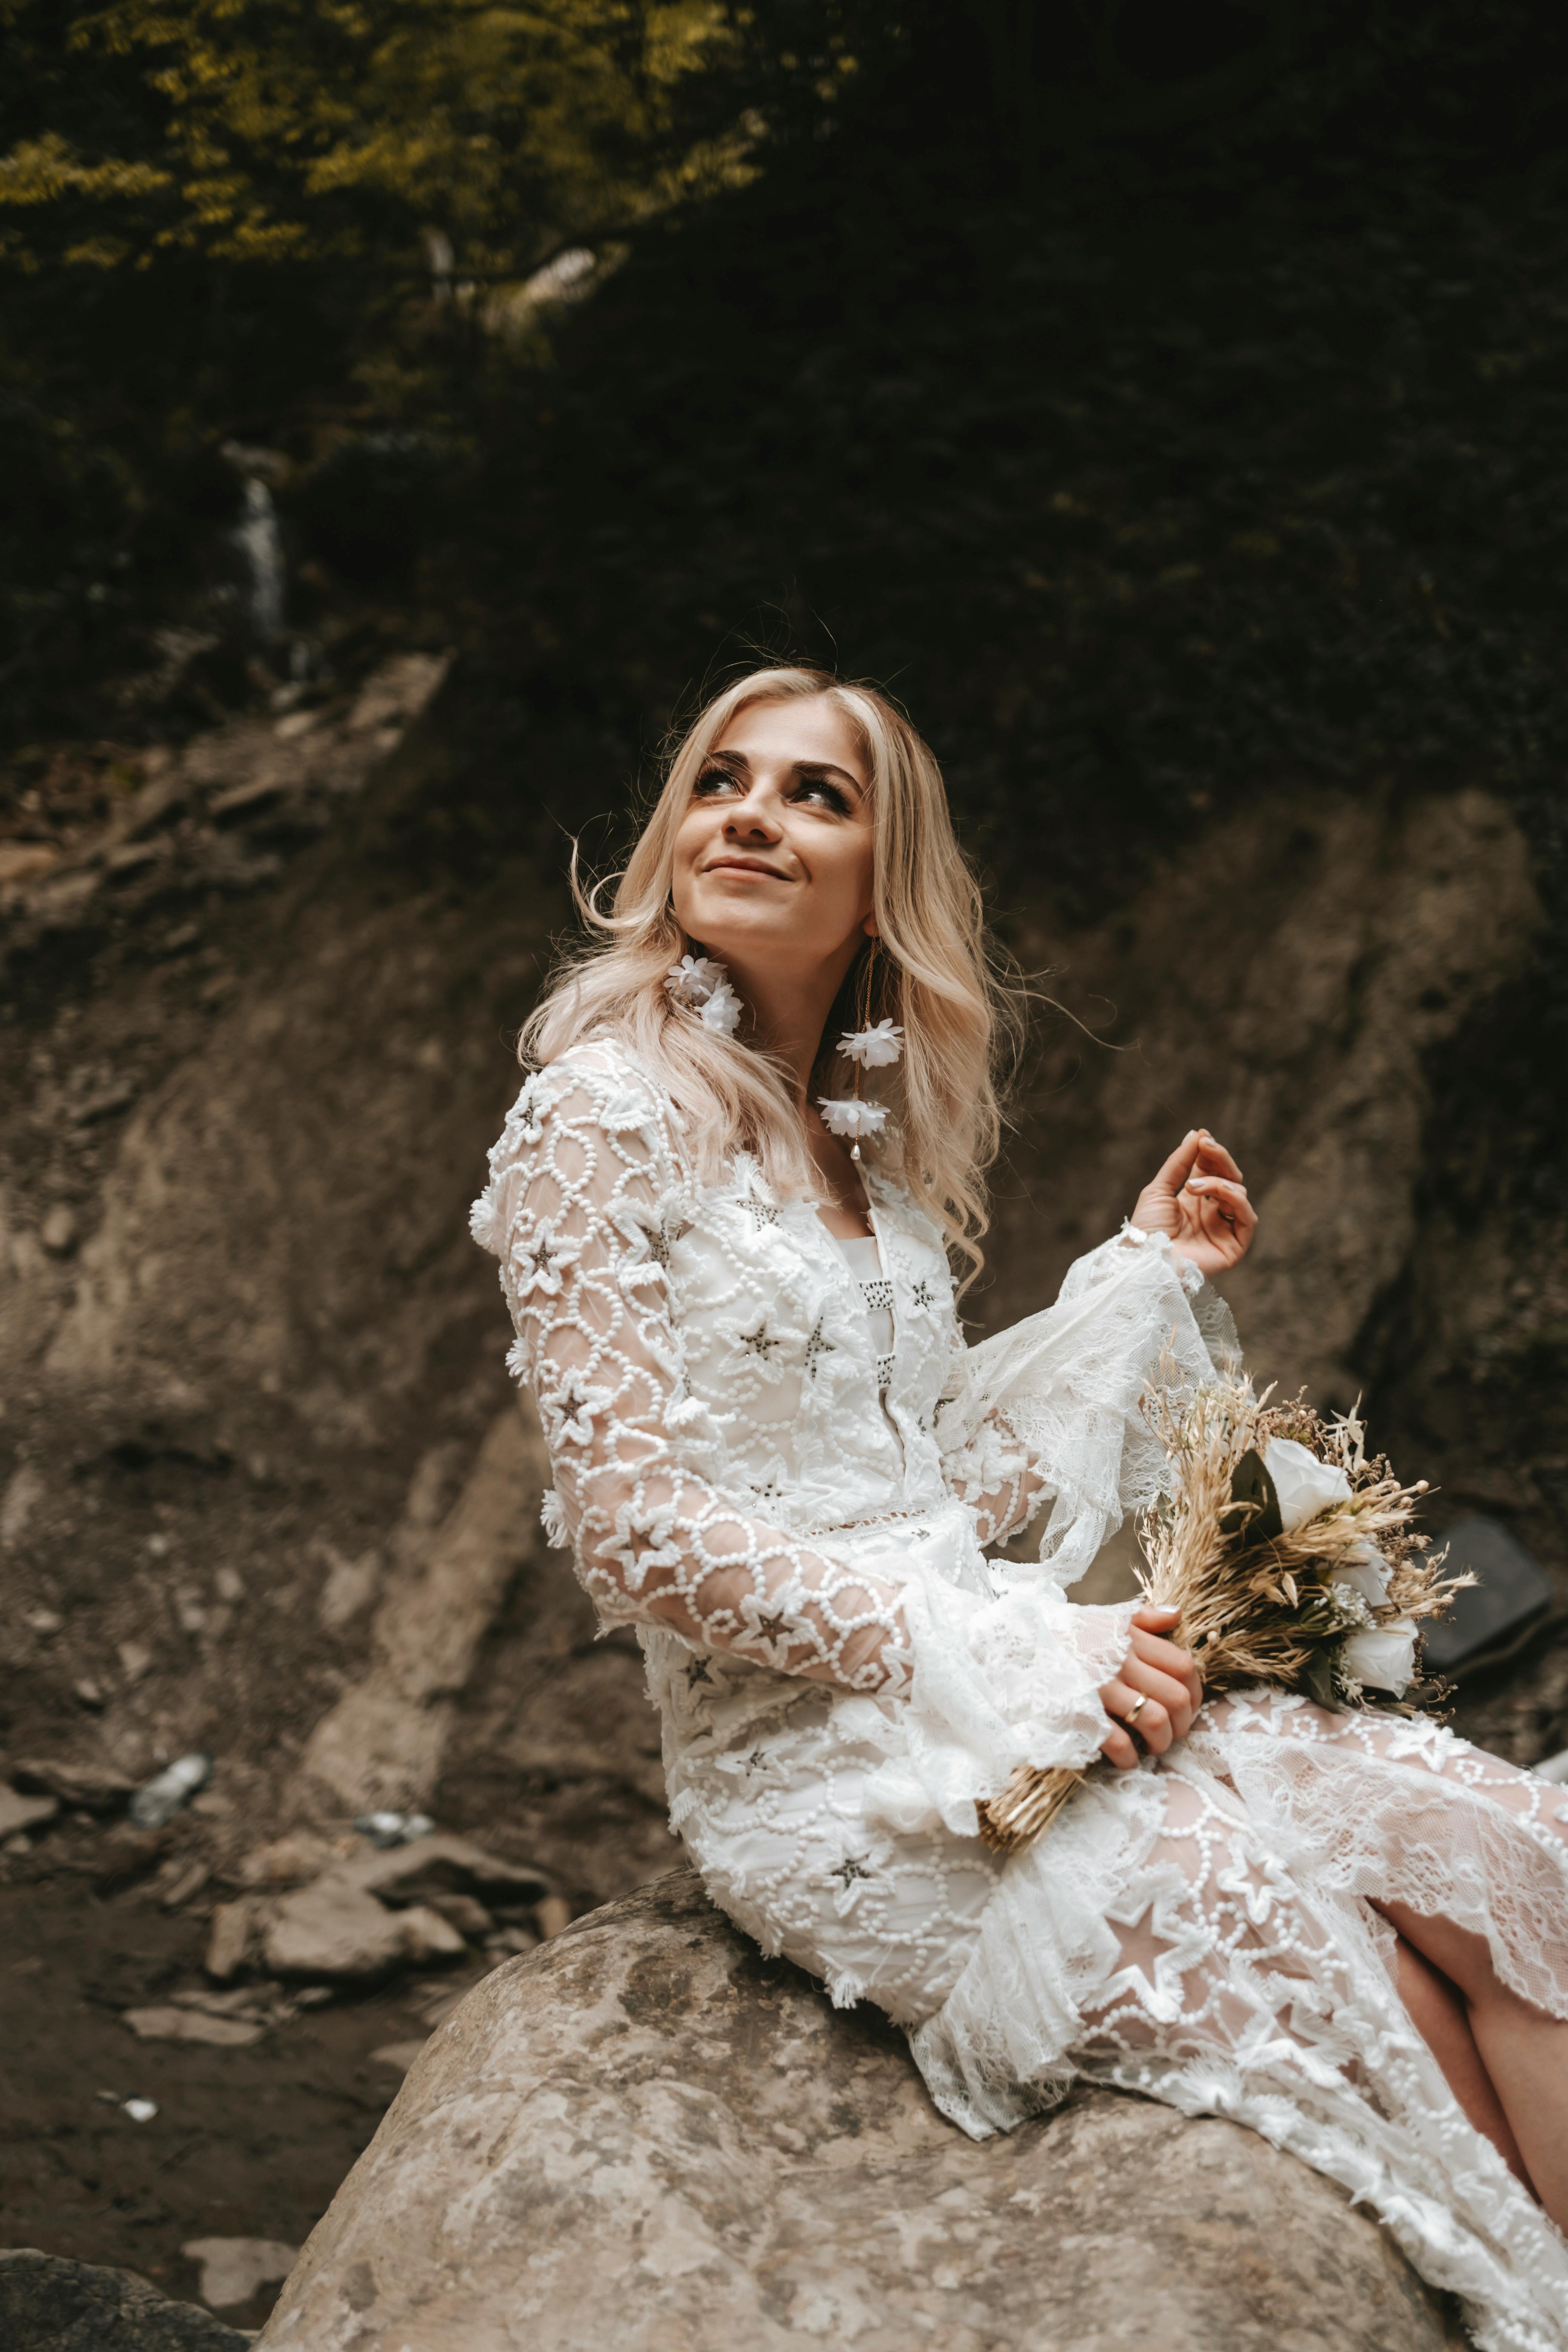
{"x": 727, "y": 931}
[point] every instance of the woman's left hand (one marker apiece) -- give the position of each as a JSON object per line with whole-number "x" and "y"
{"x": 1199, "y": 1199}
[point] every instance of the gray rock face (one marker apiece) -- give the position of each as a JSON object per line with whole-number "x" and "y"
{"x": 48, "y": 2304}
{"x": 645, "y": 2136}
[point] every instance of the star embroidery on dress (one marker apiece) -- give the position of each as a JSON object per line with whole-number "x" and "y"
{"x": 755, "y": 1760}
{"x": 768, "y": 1493}
{"x": 759, "y": 1342}
{"x": 640, "y": 1541}
{"x": 697, "y": 1672}
{"x": 852, "y": 1867}
{"x": 772, "y": 1629}
{"x": 541, "y": 1264}
{"x": 762, "y": 1211}
{"x": 816, "y": 1347}
{"x": 1142, "y": 1947}
{"x": 922, "y": 1293}
{"x": 663, "y": 1237}
{"x": 576, "y": 1407}
{"x": 1250, "y": 1878}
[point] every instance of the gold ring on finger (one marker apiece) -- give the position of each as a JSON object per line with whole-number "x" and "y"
{"x": 1136, "y": 1709}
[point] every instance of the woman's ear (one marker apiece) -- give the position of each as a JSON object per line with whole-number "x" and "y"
{"x": 871, "y": 928}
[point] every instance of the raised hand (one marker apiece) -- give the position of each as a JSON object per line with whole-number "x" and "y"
{"x": 1198, "y": 1198}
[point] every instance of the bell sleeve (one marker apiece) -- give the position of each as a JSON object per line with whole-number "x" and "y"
{"x": 1053, "y": 1411}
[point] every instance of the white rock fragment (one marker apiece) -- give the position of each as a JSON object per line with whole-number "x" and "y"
{"x": 229, "y": 1939}
{"x": 180, "y": 1879}
{"x": 161, "y": 2023}
{"x": 170, "y": 1790}
{"x": 18, "y": 1812}
{"x": 374, "y": 1911}
{"x": 399, "y": 2054}
{"x": 388, "y": 1829}
{"x": 336, "y": 1929}
{"x": 233, "y": 2268}
{"x": 59, "y": 1231}
{"x": 23, "y": 1493}
{"x": 351, "y": 1586}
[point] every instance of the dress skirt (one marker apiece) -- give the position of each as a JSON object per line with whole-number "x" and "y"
{"x": 1201, "y": 1931}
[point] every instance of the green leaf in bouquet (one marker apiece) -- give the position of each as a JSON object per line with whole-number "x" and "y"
{"x": 1317, "y": 1679}
{"x": 1253, "y": 1513}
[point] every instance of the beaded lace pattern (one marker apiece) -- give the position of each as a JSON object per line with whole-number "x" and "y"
{"x": 795, "y": 1522}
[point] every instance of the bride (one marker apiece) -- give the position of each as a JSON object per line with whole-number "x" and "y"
{"x": 727, "y": 1207}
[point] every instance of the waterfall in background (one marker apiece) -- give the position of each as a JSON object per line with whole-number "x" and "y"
{"x": 260, "y": 545}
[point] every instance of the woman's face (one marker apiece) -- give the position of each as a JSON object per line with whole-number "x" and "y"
{"x": 773, "y": 858}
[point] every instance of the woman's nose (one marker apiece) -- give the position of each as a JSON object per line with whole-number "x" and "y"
{"x": 754, "y": 817}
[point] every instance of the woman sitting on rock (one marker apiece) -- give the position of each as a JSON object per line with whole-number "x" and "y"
{"x": 725, "y": 1207}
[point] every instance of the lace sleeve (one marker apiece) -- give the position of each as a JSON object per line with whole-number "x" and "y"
{"x": 985, "y": 1462}
{"x": 1064, "y": 1392}
{"x": 585, "y": 1194}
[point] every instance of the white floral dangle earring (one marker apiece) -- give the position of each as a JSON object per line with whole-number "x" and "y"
{"x": 875, "y": 1047}
{"x": 704, "y": 985}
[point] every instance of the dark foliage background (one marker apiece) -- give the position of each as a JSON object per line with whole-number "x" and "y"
{"x": 1154, "y": 418}
{"x": 1166, "y": 404}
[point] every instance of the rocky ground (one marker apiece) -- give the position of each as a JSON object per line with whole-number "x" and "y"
{"x": 265, "y": 1492}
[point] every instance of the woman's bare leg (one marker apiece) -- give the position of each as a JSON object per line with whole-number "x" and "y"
{"x": 1523, "y": 2050}
{"x": 1438, "y": 2013}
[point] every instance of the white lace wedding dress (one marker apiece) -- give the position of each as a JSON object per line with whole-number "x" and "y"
{"x": 785, "y": 1475}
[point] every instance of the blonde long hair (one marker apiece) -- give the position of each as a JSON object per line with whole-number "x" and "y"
{"x": 935, "y": 972}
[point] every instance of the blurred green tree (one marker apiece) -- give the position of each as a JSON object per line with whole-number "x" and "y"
{"x": 449, "y": 135}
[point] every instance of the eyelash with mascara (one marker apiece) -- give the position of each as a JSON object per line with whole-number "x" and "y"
{"x": 830, "y": 793}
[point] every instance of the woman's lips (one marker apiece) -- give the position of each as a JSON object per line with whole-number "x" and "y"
{"x": 745, "y": 866}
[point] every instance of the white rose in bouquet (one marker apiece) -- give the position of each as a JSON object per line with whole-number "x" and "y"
{"x": 1367, "y": 1575}
{"x": 1304, "y": 1484}
{"x": 1381, "y": 1657}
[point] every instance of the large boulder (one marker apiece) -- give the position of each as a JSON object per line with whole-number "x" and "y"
{"x": 645, "y": 2136}
{"x": 50, "y": 2304}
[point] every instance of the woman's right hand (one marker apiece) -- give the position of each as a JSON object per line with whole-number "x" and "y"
{"x": 1157, "y": 1684}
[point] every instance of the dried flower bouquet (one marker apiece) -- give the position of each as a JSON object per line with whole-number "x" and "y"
{"x": 1291, "y": 1554}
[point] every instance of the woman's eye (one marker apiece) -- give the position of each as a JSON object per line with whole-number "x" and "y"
{"x": 828, "y": 796}
{"x": 712, "y": 781}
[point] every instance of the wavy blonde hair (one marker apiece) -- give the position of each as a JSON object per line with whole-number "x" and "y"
{"x": 936, "y": 972}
